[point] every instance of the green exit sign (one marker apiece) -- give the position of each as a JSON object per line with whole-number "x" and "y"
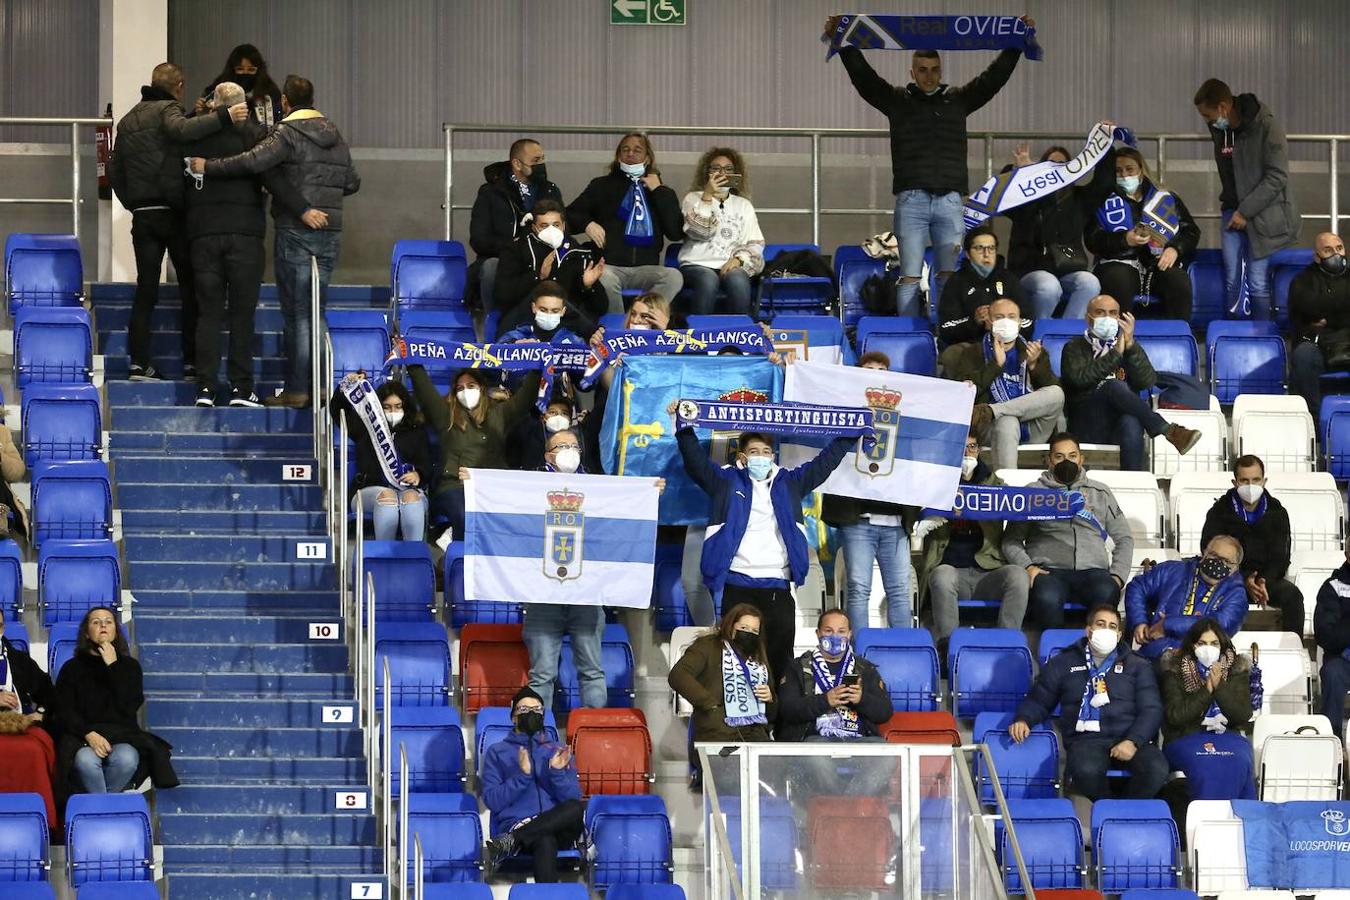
{"x": 647, "y": 12}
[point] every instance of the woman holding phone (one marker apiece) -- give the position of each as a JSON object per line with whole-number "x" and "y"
{"x": 723, "y": 246}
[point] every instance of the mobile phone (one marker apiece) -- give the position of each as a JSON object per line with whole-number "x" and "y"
{"x": 852, "y": 680}
{"x": 733, "y": 179}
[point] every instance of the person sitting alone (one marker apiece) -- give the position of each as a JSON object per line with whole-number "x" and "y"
{"x": 1163, "y": 603}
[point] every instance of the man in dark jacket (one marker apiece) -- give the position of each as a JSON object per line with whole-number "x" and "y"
{"x": 311, "y": 154}
{"x": 928, "y": 153}
{"x": 530, "y": 786}
{"x": 1319, "y": 304}
{"x": 544, "y": 252}
{"x": 1261, "y": 524}
{"x": 225, "y": 226}
{"x": 963, "y": 311}
{"x": 1102, "y": 373}
{"x": 1252, "y": 156}
{"x": 147, "y": 176}
{"x": 831, "y": 694}
{"x": 1110, "y": 710}
{"x": 1331, "y": 625}
{"x": 1016, "y": 391}
{"x": 501, "y": 211}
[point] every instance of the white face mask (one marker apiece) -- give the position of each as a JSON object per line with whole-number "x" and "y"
{"x": 567, "y": 460}
{"x": 1105, "y": 328}
{"x": 1206, "y": 654}
{"x": 633, "y": 170}
{"x": 1104, "y": 641}
{"x": 393, "y": 418}
{"x": 1005, "y": 330}
{"x": 556, "y": 423}
{"x": 551, "y": 235}
{"x": 1250, "y": 493}
{"x": 968, "y": 464}
{"x": 547, "y": 321}
{"x": 468, "y": 397}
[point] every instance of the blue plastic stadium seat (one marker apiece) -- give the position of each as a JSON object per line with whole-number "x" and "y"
{"x": 23, "y": 837}
{"x": 616, "y": 658}
{"x": 1136, "y": 845}
{"x": 493, "y": 723}
{"x": 908, "y": 663}
{"x": 1284, "y": 266}
{"x": 852, "y": 267}
{"x": 61, "y": 422}
{"x": 360, "y": 339}
{"x": 118, "y": 890}
{"x": 793, "y": 293}
{"x": 405, "y": 579}
{"x": 464, "y": 612}
{"x": 108, "y": 838}
{"x": 728, "y": 322}
{"x": 419, "y": 663}
{"x": 17, "y": 634}
{"x": 989, "y": 670}
{"x": 1209, "y": 299}
{"x": 612, "y": 322}
{"x": 71, "y": 500}
{"x": 434, "y": 742}
{"x": 52, "y": 345}
{"x": 43, "y": 270}
{"x": 631, "y": 839}
{"x": 563, "y": 891}
{"x": 35, "y": 890}
{"x": 1026, "y": 770}
{"x": 464, "y": 890}
{"x": 873, "y": 325}
{"x": 61, "y": 640}
{"x": 778, "y": 840}
{"x": 915, "y": 353}
{"x": 438, "y": 325}
{"x": 76, "y": 576}
{"x": 451, "y": 832}
{"x": 646, "y": 892}
{"x": 1051, "y": 840}
{"x": 1336, "y": 444}
{"x": 1170, "y": 348}
{"x": 422, "y": 247}
{"x": 429, "y": 283}
{"x": 672, "y": 610}
{"x": 1160, "y": 894}
{"x": 11, "y": 579}
{"x": 1054, "y": 640}
{"x": 1244, "y": 358}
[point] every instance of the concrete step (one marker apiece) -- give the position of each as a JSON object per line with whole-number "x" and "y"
{"x": 206, "y": 470}
{"x": 257, "y": 743}
{"x": 224, "y": 884}
{"x": 234, "y": 497}
{"x": 266, "y": 800}
{"x": 158, "y": 442}
{"x": 227, "y": 521}
{"x": 206, "y": 712}
{"x": 269, "y": 770}
{"x": 250, "y": 828}
{"x": 323, "y": 604}
{"x": 152, "y": 628}
{"x": 169, "y": 342}
{"x": 260, "y": 658}
{"x": 170, "y": 685}
{"x": 239, "y": 576}
{"x": 188, "y": 419}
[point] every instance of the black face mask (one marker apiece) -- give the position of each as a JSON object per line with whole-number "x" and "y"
{"x": 745, "y": 642}
{"x": 1333, "y": 265}
{"x": 246, "y": 81}
{"x": 539, "y": 173}
{"x": 1066, "y": 471}
{"x": 1215, "y": 568}
{"x": 530, "y": 723}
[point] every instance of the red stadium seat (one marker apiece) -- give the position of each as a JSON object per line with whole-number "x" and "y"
{"x": 493, "y": 664}
{"x": 1070, "y": 894}
{"x": 612, "y": 717}
{"x": 613, "y": 759}
{"x": 922, "y": 728}
{"x": 851, "y": 843}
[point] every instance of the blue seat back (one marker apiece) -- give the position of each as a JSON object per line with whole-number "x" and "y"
{"x": 114, "y": 890}
{"x": 422, "y": 247}
{"x": 494, "y": 723}
{"x": 907, "y": 661}
{"x": 429, "y": 282}
{"x": 1172, "y": 353}
{"x": 1136, "y": 852}
{"x": 464, "y": 612}
{"x": 61, "y": 640}
{"x": 11, "y": 579}
{"x": 612, "y": 322}
{"x": 71, "y": 500}
{"x": 875, "y": 325}
{"x": 851, "y": 270}
{"x": 1055, "y": 639}
{"x": 437, "y": 325}
{"x": 43, "y": 270}
{"x": 630, "y": 847}
{"x": 108, "y": 838}
{"x": 650, "y": 891}
{"x": 61, "y": 422}
{"x": 1336, "y": 444}
{"x": 990, "y": 670}
{"x": 1252, "y": 364}
{"x": 432, "y": 737}
{"x": 360, "y": 339}
{"x": 1209, "y": 297}
{"x": 728, "y": 322}
{"x": 23, "y": 835}
{"x": 419, "y": 663}
{"x": 672, "y": 610}
{"x": 1052, "y": 849}
{"x": 564, "y": 891}
{"x": 75, "y": 576}
{"x": 405, "y": 579}
{"x": 452, "y": 839}
{"x": 17, "y": 634}
{"x": 778, "y": 840}
{"x": 52, "y": 345}
{"x": 915, "y": 353}
{"x": 793, "y": 292}
{"x": 1026, "y": 770}
{"x": 616, "y": 659}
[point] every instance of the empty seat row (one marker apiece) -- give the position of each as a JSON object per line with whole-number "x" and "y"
{"x": 107, "y": 840}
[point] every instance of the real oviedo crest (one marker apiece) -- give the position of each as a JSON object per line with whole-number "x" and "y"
{"x": 885, "y": 405}
{"x": 564, "y": 527}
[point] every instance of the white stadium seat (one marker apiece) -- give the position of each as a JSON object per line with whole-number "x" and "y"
{"x": 1215, "y": 847}
{"x": 1309, "y": 570}
{"x": 1316, "y": 508}
{"x": 1297, "y": 766}
{"x": 1277, "y": 428}
{"x": 680, "y": 639}
{"x": 1209, "y": 454}
{"x": 1019, "y": 477}
{"x": 1141, "y": 501}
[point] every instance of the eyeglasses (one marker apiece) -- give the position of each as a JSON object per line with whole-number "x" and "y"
{"x": 529, "y": 709}
{"x": 721, "y": 170}
{"x": 984, "y": 248}
{"x": 558, "y": 448}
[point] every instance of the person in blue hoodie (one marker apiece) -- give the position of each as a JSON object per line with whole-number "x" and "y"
{"x": 530, "y": 786}
{"x": 1110, "y": 710}
{"x": 1163, "y": 603}
{"x": 755, "y": 549}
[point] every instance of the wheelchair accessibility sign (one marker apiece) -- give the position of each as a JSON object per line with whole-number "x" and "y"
{"x": 647, "y": 12}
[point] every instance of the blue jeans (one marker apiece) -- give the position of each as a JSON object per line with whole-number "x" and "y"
{"x": 1335, "y": 685}
{"x": 390, "y": 514}
{"x": 921, "y": 217}
{"x": 110, "y": 774}
{"x": 1055, "y": 587}
{"x": 545, "y": 625}
{"x": 290, "y": 259}
{"x": 1043, "y": 290}
{"x": 1088, "y": 758}
{"x": 704, "y": 282}
{"x": 1115, "y": 414}
{"x": 1237, "y": 261}
{"x": 862, "y": 543}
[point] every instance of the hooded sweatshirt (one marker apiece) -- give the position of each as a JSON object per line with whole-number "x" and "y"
{"x": 1073, "y": 543}
{"x": 512, "y": 795}
{"x": 1253, "y": 161}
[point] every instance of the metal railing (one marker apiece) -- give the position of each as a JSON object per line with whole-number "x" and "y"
{"x": 73, "y": 201}
{"x": 816, "y": 137}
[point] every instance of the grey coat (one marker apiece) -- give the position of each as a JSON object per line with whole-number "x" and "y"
{"x": 1073, "y": 543}
{"x": 1261, "y": 173}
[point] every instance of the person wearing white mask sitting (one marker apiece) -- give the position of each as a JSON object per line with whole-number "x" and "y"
{"x": 548, "y": 308}
{"x": 542, "y": 253}
{"x": 723, "y": 247}
{"x": 391, "y": 510}
{"x": 562, "y": 453}
{"x": 1102, "y": 372}
{"x": 1110, "y": 710}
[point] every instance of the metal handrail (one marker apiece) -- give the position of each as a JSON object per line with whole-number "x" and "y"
{"x": 75, "y": 124}
{"x": 372, "y": 732}
{"x": 386, "y": 794}
{"x": 817, "y": 135}
{"x": 1002, "y": 803}
{"x": 315, "y": 363}
{"x": 402, "y": 861}
{"x": 419, "y": 889}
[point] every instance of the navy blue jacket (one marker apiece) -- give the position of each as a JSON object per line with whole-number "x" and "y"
{"x": 1165, "y": 588}
{"x": 1331, "y": 616}
{"x": 511, "y": 795}
{"x": 1134, "y": 713}
{"x": 730, "y": 490}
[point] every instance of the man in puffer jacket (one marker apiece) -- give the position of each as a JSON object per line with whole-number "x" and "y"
{"x": 1163, "y": 603}
{"x": 146, "y": 172}
{"x": 312, "y": 155}
{"x": 1066, "y": 559}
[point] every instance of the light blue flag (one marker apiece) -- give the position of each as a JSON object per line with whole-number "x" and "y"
{"x": 638, "y": 437}
{"x": 548, "y": 537}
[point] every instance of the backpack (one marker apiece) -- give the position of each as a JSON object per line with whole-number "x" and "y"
{"x": 877, "y": 293}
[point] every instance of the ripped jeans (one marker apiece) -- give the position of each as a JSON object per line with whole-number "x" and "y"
{"x": 392, "y": 510}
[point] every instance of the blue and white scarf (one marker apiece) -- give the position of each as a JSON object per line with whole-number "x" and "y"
{"x": 370, "y": 412}
{"x": 688, "y": 340}
{"x": 1159, "y": 215}
{"x": 636, "y": 213}
{"x": 549, "y": 359}
{"x": 987, "y": 502}
{"x": 840, "y": 722}
{"x": 1099, "y": 347}
{"x": 739, "y": 679}
{"x": 870, "y": 32}
{"x": 1251, "y": 517}
{"x": 1094, "y": 693}
{"x": 1089, "y": 517}
{"x": 1027, "y": 184}
{"x": 803, "y": 419}
{"x": 1214, "y": 720}
{"x": 1014, "y": 381}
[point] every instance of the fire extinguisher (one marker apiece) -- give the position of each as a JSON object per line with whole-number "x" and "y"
{"x": 103, "y": 153}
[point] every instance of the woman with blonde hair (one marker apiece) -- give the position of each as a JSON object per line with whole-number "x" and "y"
{"x": 723, "y": 247}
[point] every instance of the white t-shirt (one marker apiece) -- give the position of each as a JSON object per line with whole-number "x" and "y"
{"x": 731, "y": 223}
{"x": 762, "y": 553}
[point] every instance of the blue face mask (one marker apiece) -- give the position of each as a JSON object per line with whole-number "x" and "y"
{"x": 981, "y": 269}
{"x": 833, "y": 644}
{"x": 1128, "y": 183}
{"x": 1221, "y": 123}
{"x": 759, "y": 467}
